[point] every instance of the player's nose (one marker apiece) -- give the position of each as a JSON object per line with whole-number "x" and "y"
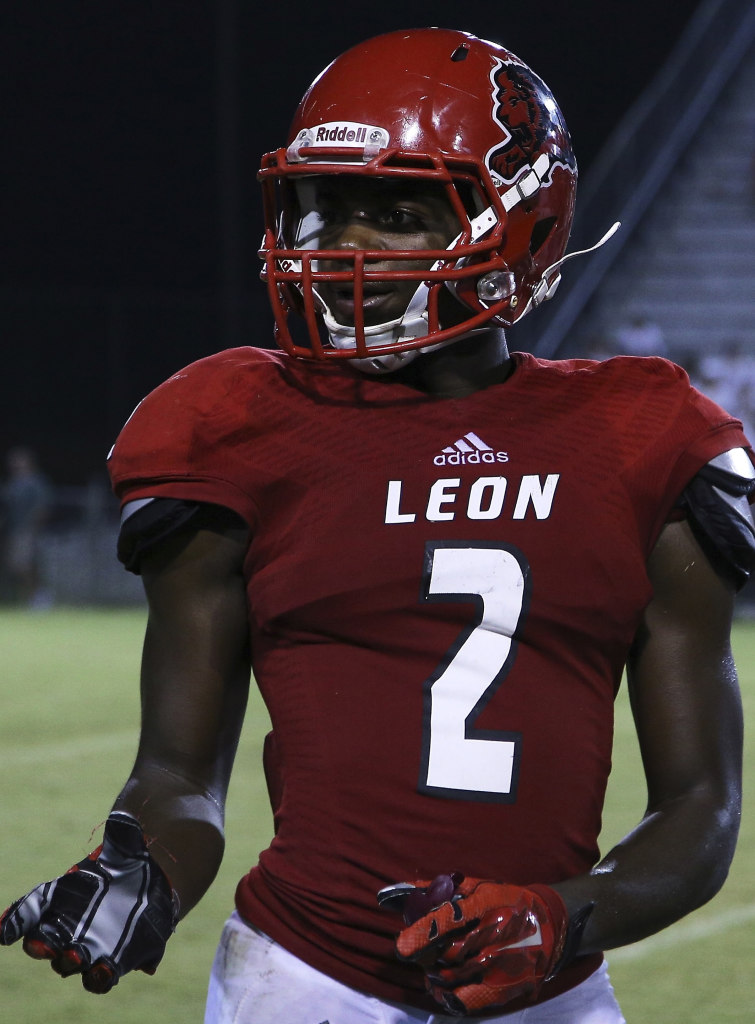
{"x": 357, "y": 232}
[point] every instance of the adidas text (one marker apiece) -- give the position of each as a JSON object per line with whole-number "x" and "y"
{"x": 469, "y": 458}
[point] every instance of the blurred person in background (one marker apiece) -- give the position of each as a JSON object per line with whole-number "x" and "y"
{"x": 727, "y": 375}
{"x": 25, "y": 501}
{"x": 640, "y": 336}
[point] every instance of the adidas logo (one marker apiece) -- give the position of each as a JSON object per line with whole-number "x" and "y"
{"x": 469, "y": 450}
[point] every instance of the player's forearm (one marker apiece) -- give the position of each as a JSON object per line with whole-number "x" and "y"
{"x": 184, "y": 827}
{"x": 673, "y": 862}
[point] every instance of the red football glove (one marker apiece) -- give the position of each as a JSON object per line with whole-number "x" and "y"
{"x": 111, "y": 913}
{"x": 488, "y": 944}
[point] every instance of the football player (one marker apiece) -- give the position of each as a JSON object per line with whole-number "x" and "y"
{"x": 437, "y": 557}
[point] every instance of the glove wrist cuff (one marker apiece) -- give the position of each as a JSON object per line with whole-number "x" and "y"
{"x": 569, "y": 927}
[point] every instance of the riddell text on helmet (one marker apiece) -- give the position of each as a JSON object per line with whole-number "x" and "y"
{"x": 341, "y": 133}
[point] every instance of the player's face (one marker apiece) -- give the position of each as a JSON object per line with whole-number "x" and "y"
{"x": 375, "y": 214}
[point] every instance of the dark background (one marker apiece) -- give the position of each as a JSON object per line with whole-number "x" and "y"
{"x": 132, "y": 132}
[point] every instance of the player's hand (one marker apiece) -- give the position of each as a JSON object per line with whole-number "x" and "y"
{"x": 415, "y": 899}
{"x": 487, "y": 944}
{"x": 113, "y": 912}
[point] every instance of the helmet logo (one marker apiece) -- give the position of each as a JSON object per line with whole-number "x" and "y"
{"x": 524, "y": 110}
{"x": 343, "y": 134}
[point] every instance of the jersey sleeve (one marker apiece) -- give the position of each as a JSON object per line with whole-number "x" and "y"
{"x": 694, "y": 430}
{"x": 718, "y": 432}
{"x": 190, "y": 439}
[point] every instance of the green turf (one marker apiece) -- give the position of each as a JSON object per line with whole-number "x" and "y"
{"x": 67, "y": 736}
{"x": 700, "y": 969}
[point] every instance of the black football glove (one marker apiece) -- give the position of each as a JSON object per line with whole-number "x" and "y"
{"x": 113, "y": 912}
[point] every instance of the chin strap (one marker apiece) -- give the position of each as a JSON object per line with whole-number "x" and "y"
{"x": 546, "y": 286}
{"x": 412, "y": 324}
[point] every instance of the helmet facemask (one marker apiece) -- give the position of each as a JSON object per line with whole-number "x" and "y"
{"x": 303, "y": 272}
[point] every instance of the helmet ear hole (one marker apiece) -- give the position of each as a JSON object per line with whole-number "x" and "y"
{"x": 452, "y": 309}
{"x": 540, "y": 233}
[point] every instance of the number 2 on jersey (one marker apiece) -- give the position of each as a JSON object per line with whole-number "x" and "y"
{"x": 458, "y": 760}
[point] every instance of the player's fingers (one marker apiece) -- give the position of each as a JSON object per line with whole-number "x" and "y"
{"x": 448, "y": 1000}
{"x": 8, "y": 930}
{"x": 23, "y": 916}
{"x": 100, "y": 977}
{"x": 448, "y": 976}
{"x": 70, "y": 961}
{"x": 463, "y": 1000}
{"x": 454, "y": 1005}
{"x": 46, "y": 940}
{"x": 16, "y": 920}
{"x": 497, "y": 933}
{"x": 431, "y": 931}
{"x": 428, "y": 896}
{"x": 38, "y": 948}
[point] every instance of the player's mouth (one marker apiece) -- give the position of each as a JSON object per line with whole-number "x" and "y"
{"x": 375, "y": 299}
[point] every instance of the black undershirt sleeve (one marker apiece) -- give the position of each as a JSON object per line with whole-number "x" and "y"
{"x": 160, "y": 518}
{"x": 716, "y": 503}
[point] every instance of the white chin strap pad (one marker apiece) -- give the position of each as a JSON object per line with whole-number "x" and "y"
{"x": 386, "y": 364}
{"x": 413, "y": 324}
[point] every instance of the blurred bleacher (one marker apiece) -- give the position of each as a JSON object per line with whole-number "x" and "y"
{"x": 678, "y": 172}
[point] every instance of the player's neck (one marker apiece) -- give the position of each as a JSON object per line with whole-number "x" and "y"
{"x": 469, "y": 365}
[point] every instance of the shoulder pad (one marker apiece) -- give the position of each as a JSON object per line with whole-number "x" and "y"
{"x": 717, "y": 503}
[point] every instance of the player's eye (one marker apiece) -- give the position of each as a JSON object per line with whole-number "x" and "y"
{"x": 399, "y": 218}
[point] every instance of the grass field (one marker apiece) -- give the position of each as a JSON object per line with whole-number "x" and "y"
{"x": 67, "y": 736}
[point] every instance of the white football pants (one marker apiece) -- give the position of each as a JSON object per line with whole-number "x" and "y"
{"x": 256, "y": 981}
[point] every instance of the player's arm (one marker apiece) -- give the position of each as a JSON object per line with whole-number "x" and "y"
{"x": 194, "y": 687}
{"x": 687, "y": 709}
{"x": 163, "y": 844}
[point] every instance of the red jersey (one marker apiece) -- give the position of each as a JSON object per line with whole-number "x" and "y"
{"x": 442, "y": 596}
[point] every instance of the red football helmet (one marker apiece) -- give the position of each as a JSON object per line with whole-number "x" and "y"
{"x": 431, "y": 106}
